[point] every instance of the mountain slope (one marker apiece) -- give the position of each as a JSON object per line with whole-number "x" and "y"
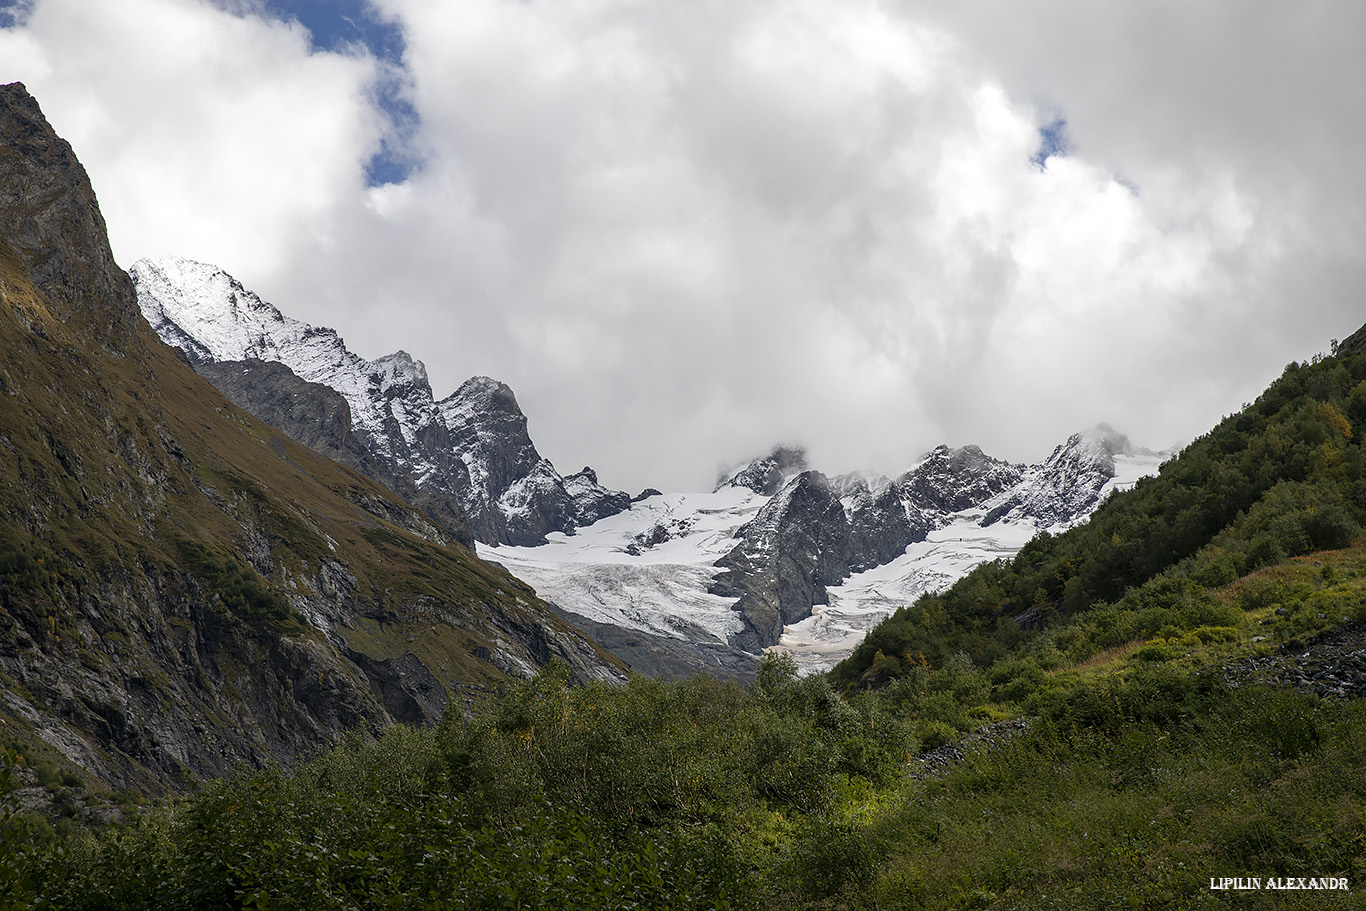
{"x": 715, "y": 578}
{"x": 181, "y": 587}
{"x": 469, "y": 452}
{"x": 1282, "y": 477}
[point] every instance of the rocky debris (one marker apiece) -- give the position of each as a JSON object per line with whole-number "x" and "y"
{"x": 986, "y": 739}
{"x": 658, "y": 534}
{"x": 1333, "y": 664}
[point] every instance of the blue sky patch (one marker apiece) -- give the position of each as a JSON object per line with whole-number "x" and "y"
{"x": 336, "y": 25}
{"x": 1053, "y": 140}
{"x": 15, "y": 12}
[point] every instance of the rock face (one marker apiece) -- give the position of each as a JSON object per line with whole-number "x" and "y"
{"x": 181, "y": 587}
{"x": 816, "y": 531}
{"x": 796, "y": 545}
{"x": 950, "y": 480}
{"x": 467, "y": 454}
{"x": 592, "y": 501}
{"x": 1066, "y": 487}
{"x": 53, "y": 222}
{"x": 881, "y": 526}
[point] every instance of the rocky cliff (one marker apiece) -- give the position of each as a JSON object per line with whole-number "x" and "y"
{"x": 181, "y": 586}
{"x": 816, "y": 531}
{"x": 469, "y": 453}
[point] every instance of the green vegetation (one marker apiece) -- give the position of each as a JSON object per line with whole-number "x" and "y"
{"x": 1284, "y": 477}
{"x": 240, "y": 591}
{"x": 1137, "y": 782}
{"x": 30, "y": 575}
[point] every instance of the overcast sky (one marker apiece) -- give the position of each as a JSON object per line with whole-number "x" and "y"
{"x": 685, "y": 231}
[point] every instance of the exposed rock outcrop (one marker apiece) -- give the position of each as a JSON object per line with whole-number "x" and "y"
{"x": 469, "y": 453}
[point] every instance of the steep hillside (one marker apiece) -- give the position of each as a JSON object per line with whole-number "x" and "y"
{"x": 1283, "y": 477}
{"x": 181, "y": 587}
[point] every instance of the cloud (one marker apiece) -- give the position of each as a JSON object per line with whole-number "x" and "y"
{"x": 205, "y": 133}
{"x": 682, "y": 233}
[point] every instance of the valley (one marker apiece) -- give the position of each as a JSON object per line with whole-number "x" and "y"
{"x": 290, "y": 631}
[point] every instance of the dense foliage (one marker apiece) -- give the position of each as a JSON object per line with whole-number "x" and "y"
{"x": 1136, "y": 786}
{"x": 554, "y": 797}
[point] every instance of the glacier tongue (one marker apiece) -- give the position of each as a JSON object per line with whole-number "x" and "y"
{"x": 647, "y": 568}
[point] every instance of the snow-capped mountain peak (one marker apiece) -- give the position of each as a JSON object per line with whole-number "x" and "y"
{"x": 471, "y": 450}
{"x": 767, "y": 474}
{"x": 1066, "y": 488}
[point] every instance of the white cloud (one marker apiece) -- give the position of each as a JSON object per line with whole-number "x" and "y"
{"x": 206, "y": 134}
{"x": 684, "y": 231}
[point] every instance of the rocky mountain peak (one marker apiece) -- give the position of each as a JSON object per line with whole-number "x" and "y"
{"x": 948, "y": 480}
{"x": 484, "y": 395}
{"x": 401, "y": 369}
{"x": 52, "y": 220}
{"x": 467, "y": 457}
{"x": 767, "y": 474}
{"x": 1067, "y": 486}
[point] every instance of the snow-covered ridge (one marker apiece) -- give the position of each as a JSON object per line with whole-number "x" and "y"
{"x": 212, "y": 317}
{"x": 471, "y": 449}
{"x": 1066, "y": 487}
{"x": 652, "y": 567}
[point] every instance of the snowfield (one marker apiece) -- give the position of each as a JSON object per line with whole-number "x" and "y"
{"x": 609, "y": 572}
{"x": 833, "y": 630}
{"x": 649, "y": 568}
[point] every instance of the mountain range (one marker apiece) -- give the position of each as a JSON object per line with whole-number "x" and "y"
{"x": 770, "y": 557}
{"x": 194, "y": 574}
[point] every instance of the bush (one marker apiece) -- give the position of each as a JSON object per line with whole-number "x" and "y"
{"x": 934, "y": 734}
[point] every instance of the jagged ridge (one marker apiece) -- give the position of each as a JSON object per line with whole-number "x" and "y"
{"x": 469, "y": 452}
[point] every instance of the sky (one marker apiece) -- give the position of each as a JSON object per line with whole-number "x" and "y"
{"x": 683, "y": 232}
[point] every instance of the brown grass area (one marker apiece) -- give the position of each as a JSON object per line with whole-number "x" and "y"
{"x": 1101, "y": 661}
